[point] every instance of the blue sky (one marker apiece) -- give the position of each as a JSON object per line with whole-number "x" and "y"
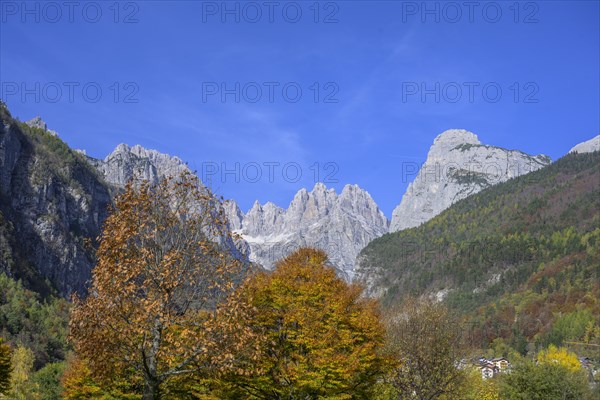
{"x": 169, "y": 74}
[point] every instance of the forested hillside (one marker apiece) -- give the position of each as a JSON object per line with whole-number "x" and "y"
{"x": 36, "y": 332}
{"x": 521, "y": 259}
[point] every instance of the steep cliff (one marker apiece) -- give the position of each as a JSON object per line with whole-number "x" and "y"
{"x": 51, "y": 201}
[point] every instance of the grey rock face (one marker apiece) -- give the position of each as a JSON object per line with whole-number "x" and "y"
{"x": 339, "y": 224}
{"x": 48, "y": 207}
{"x": 38, "y": 122}
{"x": 234, "y": 214}
{"x": 588, "y": 146}
{"x": 51, "y": 204}
{"x": 136, "y": 162}
{"x": 127, "y": 162}
{"x": 457, "y": 166}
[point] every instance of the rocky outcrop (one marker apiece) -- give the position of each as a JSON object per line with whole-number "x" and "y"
{"x": 234, "y": 214}
{"x": 588, "y": 146}
{"x": 457, "y": 166}
{"x": 38, "y": 122}
{"x": 51, "y": 202}
{"x": 136, "y": 162}
{"x": 129, "y": 162}
{"x": 339, "y": 224}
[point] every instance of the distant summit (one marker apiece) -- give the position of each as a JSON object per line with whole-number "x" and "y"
{"x": 453, "y": 137}
{"x": 127, "y": 162}
{"x": 588, "y": 146}
{"x": 339, "y": 224}
{"x": 457, "y": 166}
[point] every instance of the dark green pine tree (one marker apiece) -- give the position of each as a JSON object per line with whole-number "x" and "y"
{"x": 5, "y": 367}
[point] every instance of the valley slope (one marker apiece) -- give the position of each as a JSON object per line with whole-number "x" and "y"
{"x": 514, "y": 257}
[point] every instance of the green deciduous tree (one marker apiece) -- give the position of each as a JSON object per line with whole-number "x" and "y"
{"x": 544, "y": 381}
{"x": 47, "y": 381}
{"x": 427, "y": 343}
{"x": 569, "y": 327}
{"x": 40, "y": 325}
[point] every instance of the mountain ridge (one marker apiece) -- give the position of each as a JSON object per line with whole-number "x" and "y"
{"x": 588, "y": 146}
{"x": 340, "y": 223}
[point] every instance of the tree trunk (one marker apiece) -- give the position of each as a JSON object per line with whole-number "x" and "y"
{"x": 150, "y": 390}
{"x": 152, "y": 383}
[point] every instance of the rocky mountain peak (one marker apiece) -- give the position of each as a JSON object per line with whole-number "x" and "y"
{"x": 454, "y": 137}
{"x": 143, "y": 153}
{"x": 588, "y": 146}
{"x": 341, "y": 225}
{"x": 457, "y": 166}
{"x": 350, "y": 189}
{"x": 256, "y": 207}
{"x": 126, "y": 162}
{"x": 319, "y": 187}
{"x": 121, "y": 148}
{"x": 354, "y": 196}
{"x": 271, "y": 206}
{"x": 300, "y": 196}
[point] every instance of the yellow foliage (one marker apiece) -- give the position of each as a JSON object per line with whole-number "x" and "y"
{"x": 308, "y": 333}
{"x": 22, "y": 386}
{"x": 561, "y": 356}
{"x": 476, "y": 388}
{"x": 79, "y": 384}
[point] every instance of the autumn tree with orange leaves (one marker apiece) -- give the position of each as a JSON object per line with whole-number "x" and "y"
{"x": 161, "y": 268}
{"x": 312, "y": 334}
